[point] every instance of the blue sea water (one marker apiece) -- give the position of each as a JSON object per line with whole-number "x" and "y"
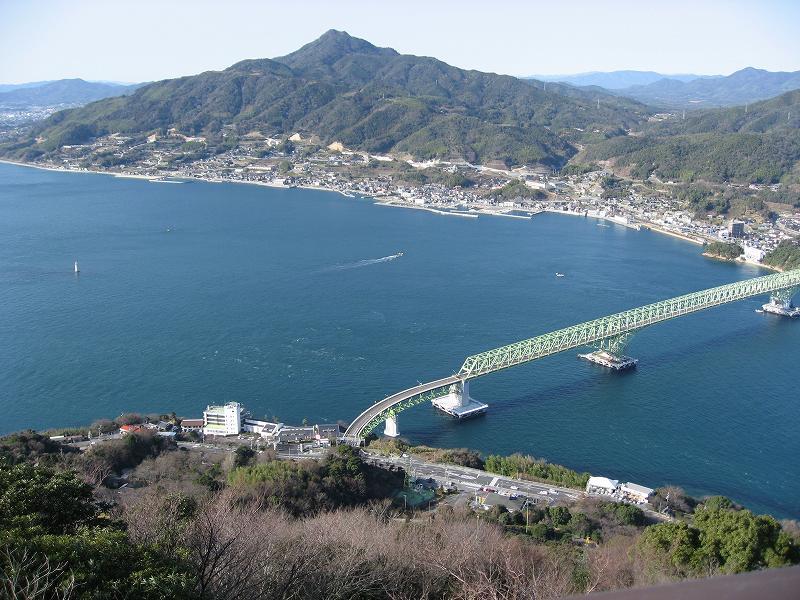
{"x": 294, "y": 303}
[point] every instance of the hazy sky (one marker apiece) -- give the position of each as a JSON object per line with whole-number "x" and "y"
{"x": 148, "y": 39}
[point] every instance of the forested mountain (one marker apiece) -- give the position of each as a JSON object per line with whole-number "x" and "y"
{"x": 741, "y": 87}
{"x": 344, "y": 89}
{"x": 63, "y": 91}
{"x": 759, "y": 143}
{"x": 615, "y": 80}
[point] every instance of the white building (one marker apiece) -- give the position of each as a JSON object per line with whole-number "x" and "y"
{"x": 753, "y": 254}
{"x": 635, "y": 492}
{"x": 223, "y": 420}
{"x": 263, "y": 428}
{"x": 601, "y": 485}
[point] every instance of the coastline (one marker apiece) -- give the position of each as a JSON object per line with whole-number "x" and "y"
{"x": 391, "y": 201}
{"x": 741, "y": 260}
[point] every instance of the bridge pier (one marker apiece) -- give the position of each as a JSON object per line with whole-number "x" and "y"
{"x": 458, "y": 403}
{"x": 780, "y": 303}
{"x": 390, "y": 429}
{"x": 610, "y": 353}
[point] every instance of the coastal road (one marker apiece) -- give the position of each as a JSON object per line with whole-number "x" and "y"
{"x": 467, "y": 479}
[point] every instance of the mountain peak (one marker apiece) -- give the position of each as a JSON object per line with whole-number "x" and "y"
{"x": 330, "y": 47}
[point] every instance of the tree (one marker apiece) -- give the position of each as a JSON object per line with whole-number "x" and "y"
{"x": 723, "y": 537}
{"x": 52, "y": 539}
{"x": 559, "y": 515}
{"x": 43, "y": 499}
{"x": 243, "y": 455}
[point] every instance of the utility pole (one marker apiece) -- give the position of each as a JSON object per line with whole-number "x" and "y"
{"x": 527, "y": 516}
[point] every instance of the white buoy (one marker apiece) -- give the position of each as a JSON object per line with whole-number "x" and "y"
{"x": 77, "y": 270}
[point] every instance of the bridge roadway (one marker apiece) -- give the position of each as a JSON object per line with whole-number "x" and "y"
{"x": 361, "y": 421}
{"x": 584, "y": 334}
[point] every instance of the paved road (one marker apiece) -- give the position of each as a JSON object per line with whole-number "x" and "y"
{"x": 362, "y": 420}
{"x": 467, "y": 479}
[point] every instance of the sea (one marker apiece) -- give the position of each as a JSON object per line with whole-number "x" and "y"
{"x": 304, "y": 304}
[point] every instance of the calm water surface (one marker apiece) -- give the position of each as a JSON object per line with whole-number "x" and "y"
{"x": 202, "y": 293}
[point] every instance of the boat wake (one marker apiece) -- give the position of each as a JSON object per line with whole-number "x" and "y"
{"x": 364, "y": 263}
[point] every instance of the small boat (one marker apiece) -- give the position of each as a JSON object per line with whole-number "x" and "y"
{"x": 399, "y": 254}
{"x": 77, "y": 270}
{"x": 559, "y": 275}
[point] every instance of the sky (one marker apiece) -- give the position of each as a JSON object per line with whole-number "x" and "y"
{"x": 146, "y": 40}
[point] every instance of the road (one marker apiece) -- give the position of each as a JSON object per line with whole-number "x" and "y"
{"x": 472, "y": 480}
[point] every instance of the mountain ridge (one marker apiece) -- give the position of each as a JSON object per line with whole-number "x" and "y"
{"x": 62, "y": 91}
{"x": 741, "y": 87}
{"x": 344, "y": 89}
{"x": 615, "y": 80}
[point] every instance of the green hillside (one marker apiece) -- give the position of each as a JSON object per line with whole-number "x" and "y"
{"x": 340, "y": 88}
{"x": 755, "y": 144}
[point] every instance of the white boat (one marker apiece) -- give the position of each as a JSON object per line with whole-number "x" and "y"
{"x": 77, "y": 270}
{"x": 560, "y": 275}
{"x": 399, "y": 254}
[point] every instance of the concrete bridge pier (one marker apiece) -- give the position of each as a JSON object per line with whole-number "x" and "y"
{"x": 780, "y": 303}
{"x": 390, "y": 429}
{"x": 610, "y": 352}
{"x": 458, "y": 403}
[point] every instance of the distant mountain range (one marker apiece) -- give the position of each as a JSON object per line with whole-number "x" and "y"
{"x": 7, "y": 87}
{"x": 741, "y": 87}
{"x": 343, "y": 89}
{"x": 678, "y": 92}
{"x": 616, "y": 80}
{"x": 73, "y": 92}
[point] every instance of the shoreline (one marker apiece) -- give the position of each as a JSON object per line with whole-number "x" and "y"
{"x": 741, "y": 260}
{"x": 473, "y": 214}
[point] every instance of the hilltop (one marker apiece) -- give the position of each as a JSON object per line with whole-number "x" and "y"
{"x": 343, "y": 89}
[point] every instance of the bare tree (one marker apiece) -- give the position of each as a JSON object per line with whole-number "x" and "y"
{"x": 29, "y": 576}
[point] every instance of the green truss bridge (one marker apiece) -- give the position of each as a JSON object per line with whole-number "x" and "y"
{"x": 607, "y": 334}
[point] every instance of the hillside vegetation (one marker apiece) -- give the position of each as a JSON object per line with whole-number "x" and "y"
{"x": 344, "y": 89}
{"x": 786, "y": 256}
{"x": 245, "y": 526}
{"x": 757, "y": 144}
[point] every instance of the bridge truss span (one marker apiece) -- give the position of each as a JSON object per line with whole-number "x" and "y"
{"x": 590, "y": 332}
{"x": 611, "y": 332}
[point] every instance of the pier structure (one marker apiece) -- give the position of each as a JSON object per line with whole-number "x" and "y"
{"x": 390, "y": 428}
{"x": 607, "y": 334}
{"x": 780, "y": 303}
{"x": 458, "y": 403}
{"x": 610, "y": 352}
